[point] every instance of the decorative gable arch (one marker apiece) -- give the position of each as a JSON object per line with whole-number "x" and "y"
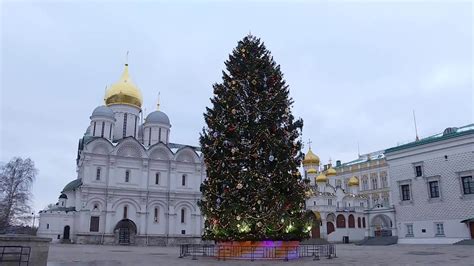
{"x": 187, "y": 154}
{"x": 160, "y": 151}
{"x": 130, "y": 147}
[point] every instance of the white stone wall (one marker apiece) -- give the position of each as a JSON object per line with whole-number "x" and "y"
{"x": 445, "y": 161}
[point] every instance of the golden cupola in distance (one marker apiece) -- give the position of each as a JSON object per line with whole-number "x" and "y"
{"x": 124, "y": 92}
{"x": 353, "y": 181}
{"x": 331, "y": 171}
{"x": 321, "y": 178}
{"x": 310, "y": 158}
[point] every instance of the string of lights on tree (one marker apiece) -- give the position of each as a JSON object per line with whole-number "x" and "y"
{"x": 252, "y": 150}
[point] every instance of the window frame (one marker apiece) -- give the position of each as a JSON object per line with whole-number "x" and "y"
{"x": 470, "y": 188}
{"x": 127, "y": 176}
{"x": 434, "y": 189}
{"x": 156, "y": 215}
{"x": 410, "y": 230}
{"x": 94, "y": 228}
{"x": 437, "y": 232}
{"x": 415, "y": 169}
{"x": 157, "y": 178}
{"x": 184, "y": 180}
{"x": 183, "y": 216}
{"x": 98, "y": 174}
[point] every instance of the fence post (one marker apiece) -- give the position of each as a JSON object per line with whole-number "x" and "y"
{"x": 316, "y": 253}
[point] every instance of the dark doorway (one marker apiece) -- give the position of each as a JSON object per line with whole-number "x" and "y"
{"x": 125, "y": 231}
{"x": 316, "y": 230}
{"x": 66, "y": 232}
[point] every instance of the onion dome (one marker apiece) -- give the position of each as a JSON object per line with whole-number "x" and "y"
{"x": 310, "y": 158}
{"x": 157, "y": 117}
{"x": 331, "y": 171}
{"x": 321, "y": 178}
{"x": 353, "y": 181}
{"x": 103, "y": 111}
{"x": 124, "y": 92}
{"x": 312, "y": 171}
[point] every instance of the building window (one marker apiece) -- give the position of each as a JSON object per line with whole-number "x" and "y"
{"x": 374, "y": 183}
{"x": 159, "y": 135}
{"x": 135, "y": 131}
{"x": 405, "y": 192}
{"x": 125, "y": 212}
{"x": 351, "y": 221}
{"x": 93, "y": 132}
{"x": 183, "y": 232}
{"x": 363, "y": 222}
{"x": 359, "y": 222}
{"x": 418, "y": 171}
{"x": 182, "y": 215}
{"x": 384, "y": 182}
{"x": 127, "y": 176}
{"x": 102, "y": 131}
{"x": 439, "y": 229}
{"x": 340, "y": 221}
{"x": 94, "y": 226}
{"x": 155, "y": 215}
{"x": 467, "y": 185}
{"x": 157, "y": 178}
{"x": 330, "y": 202}
{"x": 409, "y": 230}
{"x": 149, "y": 136}
{"x": 47, "y": 226}
{"x": 338, "y": 183}
{"x": 434, "y": 189}
{"x": 124, "y": 130}
{"x": 362, "y": 204}
{"x": 97, "y": 174}
{"x": 110, "y": 131}
{"x": 365, "y": 184}
{"x": 183, "y": 180}
{"x": 314, "y": 203}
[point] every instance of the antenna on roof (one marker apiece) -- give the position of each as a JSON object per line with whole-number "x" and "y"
{"x": 309, "y": 143}
{"x": 416, "y": 129}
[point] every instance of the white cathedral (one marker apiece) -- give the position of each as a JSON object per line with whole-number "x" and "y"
{"x": 133, "y": 185}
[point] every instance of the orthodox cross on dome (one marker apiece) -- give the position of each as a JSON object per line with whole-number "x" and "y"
{"x": 309, "y": 143}
{"x": 126, "y": 59}
{"x": 158, "y": 102}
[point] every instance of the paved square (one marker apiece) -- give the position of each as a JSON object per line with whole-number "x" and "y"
{"x": 60, "y": 255}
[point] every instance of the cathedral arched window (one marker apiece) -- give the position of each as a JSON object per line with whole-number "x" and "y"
{"x": 127, "y": 176}
{"x": 183, "y": 180}
{"x": 340, "y": 221}
{"x": 183, "y": 213}
{"x": 358, "y": 222}
{"x": 363, "y": 222}
{"x": 157, "y": 178}
{"x": 102, "y": 131}
{"x": 351, "y": 221}
{"x": 125, "y": 212}
{"x": 156, "y": 215}
{"x": 97, "y": 173}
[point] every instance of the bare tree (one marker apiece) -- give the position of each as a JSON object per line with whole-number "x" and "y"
{"x": 16, "y": 179}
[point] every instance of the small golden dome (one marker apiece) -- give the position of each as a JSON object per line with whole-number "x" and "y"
{"x": 353, "y": 181}
{"x": 310, "y": 158}
{"x": 312, "y": 171}
{"x": 331, "y": 171}
{"x": 124, "y": 92}
{"x": 321, "y": 178}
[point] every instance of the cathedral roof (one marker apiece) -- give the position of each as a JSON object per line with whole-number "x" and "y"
{"x": 74, "y": 184}
{"x": 103, "y": 111}
{"x": 157, "y": 117}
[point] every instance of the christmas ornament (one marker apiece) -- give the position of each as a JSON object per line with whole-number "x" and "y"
{"x": 239, "y": 186}
{"x": 254, "y": 82}
{"x": 259, "y": 224}
{"x": 259, "y": 201}
{"x": 271, "y": 158}
{"x": 238, "y": 218}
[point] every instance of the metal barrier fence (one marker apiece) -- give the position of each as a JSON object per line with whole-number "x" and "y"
{"x": 223, "y": 252}
{"x": 15, "y": 254}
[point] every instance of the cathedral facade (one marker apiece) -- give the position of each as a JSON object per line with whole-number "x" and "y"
{"x": 133, "y": 185}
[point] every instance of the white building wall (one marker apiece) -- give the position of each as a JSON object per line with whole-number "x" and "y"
{"x": 444, "y": 161}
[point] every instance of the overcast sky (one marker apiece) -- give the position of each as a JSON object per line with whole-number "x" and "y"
{"x": 356, "y": 70}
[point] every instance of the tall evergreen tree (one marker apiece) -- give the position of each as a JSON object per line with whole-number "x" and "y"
{"x": 252, "y": 151}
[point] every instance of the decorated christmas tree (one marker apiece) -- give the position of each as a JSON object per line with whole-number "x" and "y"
{"x": 251, "y": 147}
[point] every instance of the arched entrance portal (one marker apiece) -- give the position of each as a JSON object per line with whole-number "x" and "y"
{"x": 330, "y": 223}
{"x": 66, "y": 231}
{"x": 125, "y": 232}
{"x": 382, "y": 225}
{"x": 316, "y": 225}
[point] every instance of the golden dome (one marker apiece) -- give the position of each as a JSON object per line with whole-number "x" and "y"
{"x": 124, "y": 92}
{"x": 312, "y": 171}
{"x": 353, "y": 181}
{"x": 321, "y": 178}
{"x": 331, "y": 171}
{"x": 310, "y": 158}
